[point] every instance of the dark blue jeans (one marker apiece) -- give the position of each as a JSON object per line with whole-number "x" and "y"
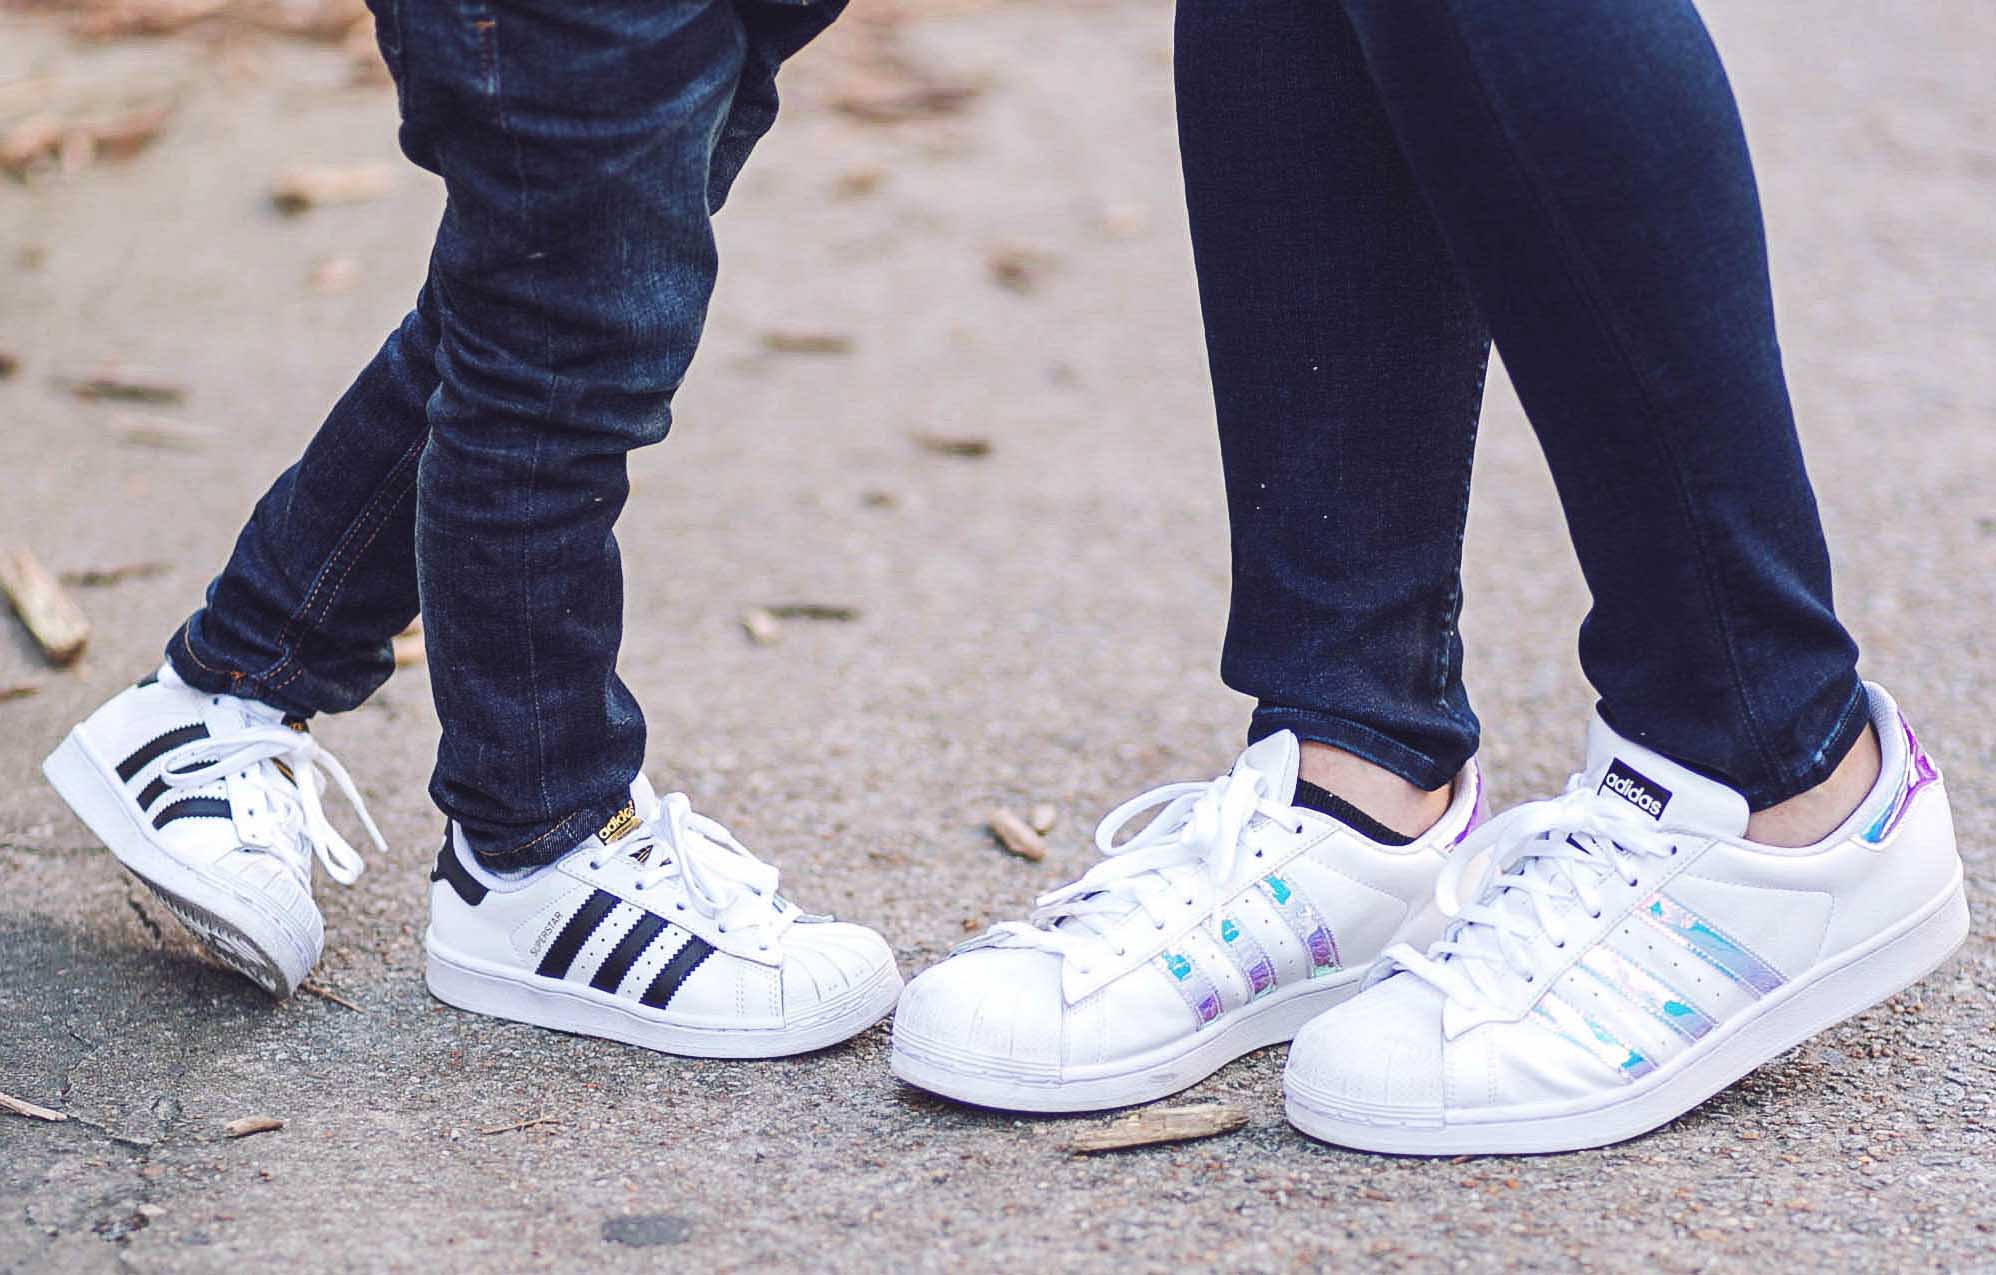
{"x": 476, "y": 467}
{"x": 1380, "y": 187}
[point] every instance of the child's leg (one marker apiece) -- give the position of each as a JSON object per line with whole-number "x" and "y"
{"x": 1347, "y": 361}
{"x": 1588, "y": 168}
{"x": 324, "y": 572}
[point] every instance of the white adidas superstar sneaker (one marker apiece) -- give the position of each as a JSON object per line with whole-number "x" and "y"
{"x": 1625, "y": 953}
{"x": 1232, "y": 919}
{"x": 661, "y": 930}
{"x": 215, "y": 803}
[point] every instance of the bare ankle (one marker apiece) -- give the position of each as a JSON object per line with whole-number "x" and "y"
{"x": 1808, "y": 817}
{"x": 1406, "y": 809}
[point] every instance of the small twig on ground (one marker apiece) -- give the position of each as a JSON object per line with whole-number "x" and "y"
{"x": 156, "y": 431}
{"x": 812, "y": 611}
{"x": 519, "y": 1125}
{"x": 34, "y": 1111}
{"x": 19, "y": 690}
{"x": 800, "y": 342}
{"x": 247, "y": 1125}
{"x": 326, "y": 993}
{"x": 1161, "y": 1124}
{"x": 100, "y": 577}
{"x": 122, "y": 387}
{"x": 52, "y": 617}
{"x": 317, "y": 186}
{"x": 967, "y": 448}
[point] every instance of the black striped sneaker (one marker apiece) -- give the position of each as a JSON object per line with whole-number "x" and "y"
{"x": 662, "y": 931}
{"x": 215, "y": 803}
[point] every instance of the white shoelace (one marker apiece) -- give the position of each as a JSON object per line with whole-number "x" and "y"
{"x": 1540, "y": 869}
{"x": 718, "y": 874}
{"x": 1194, "y": 844}
{"x": 301, "y": 814}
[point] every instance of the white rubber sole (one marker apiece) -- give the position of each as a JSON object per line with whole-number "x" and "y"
{"x": 525, "y": 997}
{"x": 1154, "y": 1074}
{"x": 1834, "y": 990}
{"x": 237, "y": 927}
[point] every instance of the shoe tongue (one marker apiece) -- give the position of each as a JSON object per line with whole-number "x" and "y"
{"x": 1623, "y": 771}
{"x": 1274, "y": 757}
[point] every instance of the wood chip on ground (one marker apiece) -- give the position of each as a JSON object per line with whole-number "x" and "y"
{"x": 1154, "y": 1125}
{"x": 322, "y": 185}
{"x": 1014, "y": 834}
{"x": 102, "y": 577}
{"x": 761, "y": 627}
{"x": 19, "y": 690}
{"x": 410, "y": 647}
{"x": 1043, "y": 818}
{"x": 52, "y": 617}
{"x": 244, "y": 1126}
{"x": 167, "y": 435}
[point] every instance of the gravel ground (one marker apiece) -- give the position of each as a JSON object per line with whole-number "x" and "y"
{"x": 1039, "y": 625}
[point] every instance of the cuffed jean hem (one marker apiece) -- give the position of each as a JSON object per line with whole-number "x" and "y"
{"x": 216, "y": 677}
{"x": 545, "y": 846}
{"x": 1417, "y": 768}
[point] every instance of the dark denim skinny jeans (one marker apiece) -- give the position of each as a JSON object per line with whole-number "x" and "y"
{"x": 476, "y": 467}
{"x": 1380, "y": 187}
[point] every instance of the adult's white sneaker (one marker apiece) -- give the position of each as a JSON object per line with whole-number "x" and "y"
{"x": 215, "y": 803}
{"x": 661, "y": 930}
{"x": 1626, "y": 953}
{"x": 1232, "y": 919}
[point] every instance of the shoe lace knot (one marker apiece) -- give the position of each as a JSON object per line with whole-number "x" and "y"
{"x": 293, "y": 784}
{"x": 1191, "y": 849}
{"x": 1524, "y": 885}
{"x": 717, "y": 874}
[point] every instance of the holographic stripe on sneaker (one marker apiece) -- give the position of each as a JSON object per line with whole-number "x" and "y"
{"x": 1592, "y": 1037}
{"x": 1257, "y": 971}
{"x": 1721, "y": 952}
{"x": 1305, "y": 922}
{"x": 1201, "y": 997}
{"x": 1920, "y": 771}
{"x": 1642, "y": 988}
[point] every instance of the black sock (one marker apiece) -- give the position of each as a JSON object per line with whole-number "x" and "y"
{"x": 1324, "y": 802}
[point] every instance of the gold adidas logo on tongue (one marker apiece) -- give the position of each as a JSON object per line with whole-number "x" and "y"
{"x": 621, "y": 824}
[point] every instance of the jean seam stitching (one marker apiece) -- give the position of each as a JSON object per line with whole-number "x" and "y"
{"x": 380, "y": 524}
{"x": 1574, "y": 261}
{"x": 342, "y": 557}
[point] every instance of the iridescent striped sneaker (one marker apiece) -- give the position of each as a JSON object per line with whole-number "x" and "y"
{"x": 1623, "y": 952}
{"x": 1232, "y": 919}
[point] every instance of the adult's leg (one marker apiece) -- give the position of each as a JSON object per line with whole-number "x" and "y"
{"x": 1347, "y": 360}
{"x": 1586, "y": 162}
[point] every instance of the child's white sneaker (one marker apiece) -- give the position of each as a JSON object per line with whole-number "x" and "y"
{"x": 1221, "y": 928}
{"x": 1625, "y": 953}
{"x": 662, "y": 931}
{"x": 215, "y": 803}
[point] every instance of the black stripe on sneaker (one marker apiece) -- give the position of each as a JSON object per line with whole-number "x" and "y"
{"x": 626, "y": 953}
{"x": 561, "y": 953}
{"x": 676, "y": 971}
{"x": 149, "y": 679}
{"x": 150, "y": 793}
{"x": 193, "y": 808}
{"x": 451, "y": 868}
{"x": 155, "y": 749}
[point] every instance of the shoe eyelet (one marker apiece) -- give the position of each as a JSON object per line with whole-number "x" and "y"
{"x": 723, "y": 929}
{"x": 680, "y": 906}
{"x": 595, "y": 866}
{"x": 762, "y": 947}
{"x": 1298, "y": 830}
{"x": 1594, "y": 916}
